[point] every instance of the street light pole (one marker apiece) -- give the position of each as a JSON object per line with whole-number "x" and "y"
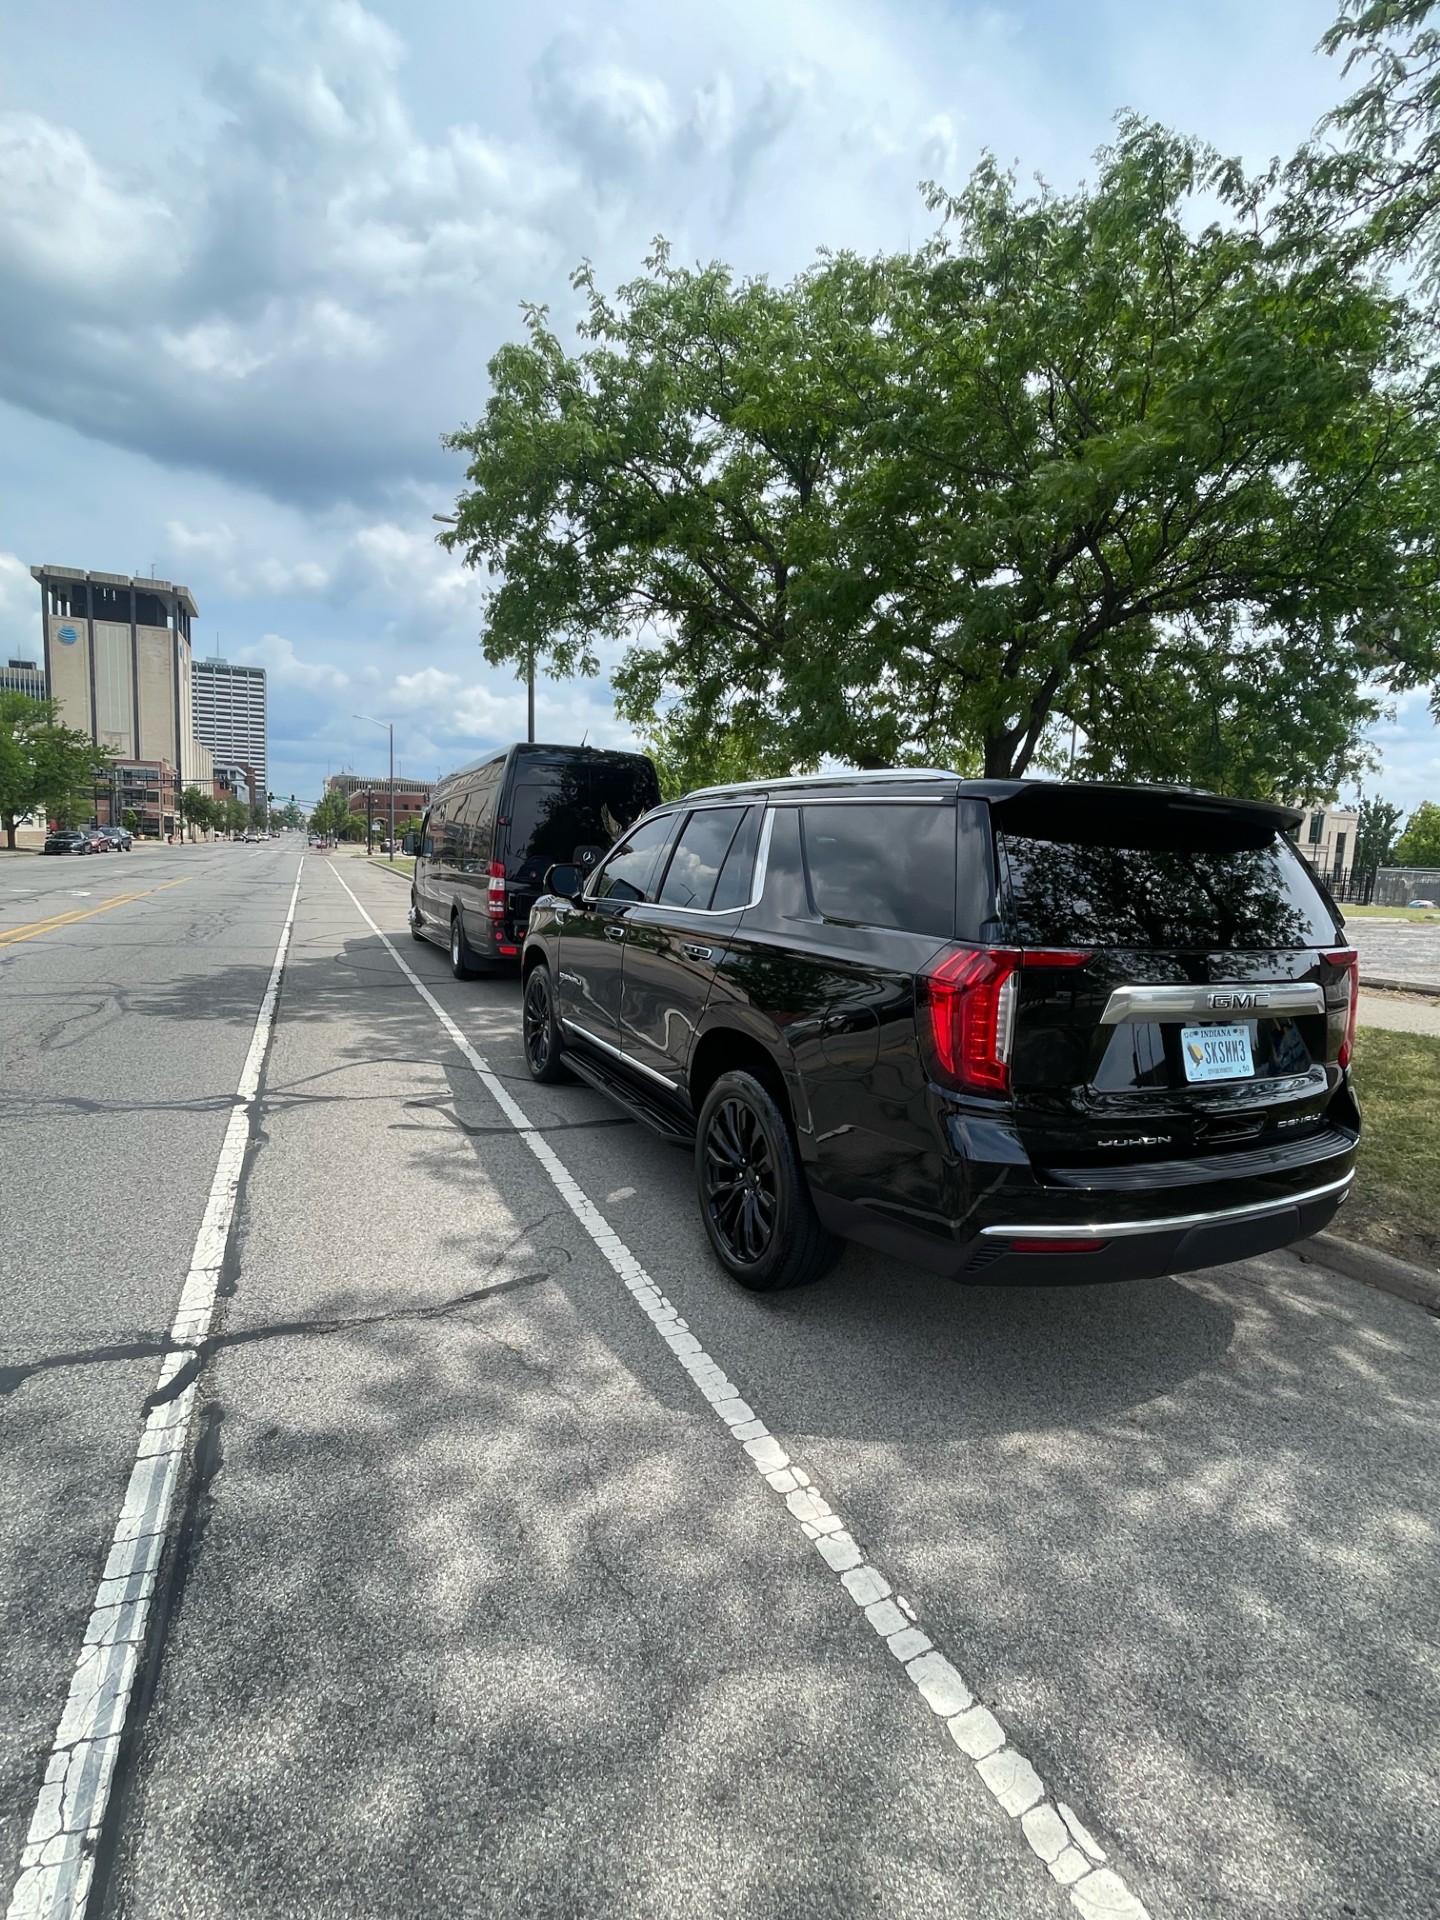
{"x": 389, "y": 726}
{"x": 452, "y": 520}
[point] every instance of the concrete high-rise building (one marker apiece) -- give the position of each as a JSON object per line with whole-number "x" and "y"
{"x": 231, "y": 717}
{"x": 117, "y": 664}
{"x": 23, "y": 676}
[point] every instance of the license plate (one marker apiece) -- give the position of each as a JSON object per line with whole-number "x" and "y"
{"x": 1217, "y": 1053}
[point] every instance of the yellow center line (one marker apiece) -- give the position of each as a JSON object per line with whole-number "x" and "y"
{"x": 12, "y": 936}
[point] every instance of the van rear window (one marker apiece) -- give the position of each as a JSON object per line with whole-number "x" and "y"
{"x": 1200, "y": 899}
{"x": 573, "y": 810}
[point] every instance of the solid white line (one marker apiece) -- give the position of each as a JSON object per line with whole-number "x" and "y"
{"x": 57, "y": 1860}
{"x": 1052, "y": 1831}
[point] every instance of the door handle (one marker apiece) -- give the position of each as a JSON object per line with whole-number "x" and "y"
{"x": 697, "y": 953}
{"x": 614, "y": 933}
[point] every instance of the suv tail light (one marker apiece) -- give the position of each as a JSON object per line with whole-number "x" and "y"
{"x": 1348, "y": 958}
{"x": 968, "y": 1017}
{"x": 496, "y": 902}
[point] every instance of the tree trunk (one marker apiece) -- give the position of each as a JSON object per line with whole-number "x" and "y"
{"x": 10, "y": 831}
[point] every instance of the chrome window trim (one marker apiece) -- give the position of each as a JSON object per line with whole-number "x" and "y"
{"x": 1165, "y": 1003}
{"x": 594, "y": 1039}
{"x": 757, "y": 884}
{"x": 865, "y": 800}
{"x": 1127, "y": 1229}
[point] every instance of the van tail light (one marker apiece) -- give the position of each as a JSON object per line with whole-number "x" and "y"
{"x": 1348, "y": 958}
{"x": 968, "y": 1017}
{"x": 496, "y": 902}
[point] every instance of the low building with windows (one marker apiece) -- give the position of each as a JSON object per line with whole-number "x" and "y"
{"x": 412, "y": 797}
{"x": 1327, "y": 840}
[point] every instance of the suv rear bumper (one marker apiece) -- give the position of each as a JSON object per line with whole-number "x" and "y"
{"x": 1118, "y": 1249}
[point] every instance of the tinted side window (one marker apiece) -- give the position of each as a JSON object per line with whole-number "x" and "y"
{"x": 698, "y": 857}
{"x": 630, "y": 871}
{"x": 1192, "y": 899}
{"x": 457, "y": 813}
{"x": 883, "y": 865}
{"x": 786, "y": 897}
{"x": 737, "y": 876}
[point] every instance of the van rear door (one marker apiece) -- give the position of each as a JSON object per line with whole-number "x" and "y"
{"x": 1182, "y": 986}
{"x": 563, "y": 804}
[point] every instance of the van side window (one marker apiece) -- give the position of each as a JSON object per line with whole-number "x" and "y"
{"x": 427, "y": 845}
{"x": 456, "y": 818}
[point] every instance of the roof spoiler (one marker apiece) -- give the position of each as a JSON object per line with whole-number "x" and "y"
{"x": 1131, "y": 816}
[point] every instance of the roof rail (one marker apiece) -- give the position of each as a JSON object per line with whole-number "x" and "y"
{"x": 841, "y": 776}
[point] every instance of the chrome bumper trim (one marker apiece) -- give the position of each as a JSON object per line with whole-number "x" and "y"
{"x": 1127, "y": 1229}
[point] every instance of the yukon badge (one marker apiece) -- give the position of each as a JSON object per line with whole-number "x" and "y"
{"x": 1233, "y": 1001}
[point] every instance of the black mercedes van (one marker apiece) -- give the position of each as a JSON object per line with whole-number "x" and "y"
{"x": 495, "y": 828}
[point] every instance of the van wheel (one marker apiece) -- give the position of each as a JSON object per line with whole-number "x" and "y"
{"x": 462, "y": 961}
{"x": 415, "y": 933}
{"x": 754, "y": 1197}
{"x": 540, "y": 1031}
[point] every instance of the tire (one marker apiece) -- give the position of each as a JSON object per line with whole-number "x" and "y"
{"x": 461, "y": 960}
{"x": 754, "y": 1197}
{"x": 415, "y": 933}
{"x": 540, "y": 1031}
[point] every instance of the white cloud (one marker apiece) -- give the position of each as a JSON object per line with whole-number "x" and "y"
{"x": 21, "y": 637}
{"x": 285, "y": 668}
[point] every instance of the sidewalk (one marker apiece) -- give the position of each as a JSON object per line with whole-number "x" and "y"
{"x": 1399, "y": 1012}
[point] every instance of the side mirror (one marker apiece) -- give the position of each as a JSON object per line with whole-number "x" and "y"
{"x": 565, "y": 879}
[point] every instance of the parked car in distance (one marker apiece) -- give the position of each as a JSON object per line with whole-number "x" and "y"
{"x": 120, "y": 838}
{"x": 1428, "y": 905}
{"x": 99, "y": 841}
{"x": 1011, "y": 1031}
{"x": 66, "y": 840}
{"x": 494, "y": 829}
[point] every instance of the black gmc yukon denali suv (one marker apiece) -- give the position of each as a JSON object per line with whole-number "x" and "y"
{"x": 1013, "y": 1031}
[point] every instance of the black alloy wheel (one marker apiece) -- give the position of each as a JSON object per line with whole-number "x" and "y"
{"x": 540, "y": 1031}
{"x": 754, "y": 1197}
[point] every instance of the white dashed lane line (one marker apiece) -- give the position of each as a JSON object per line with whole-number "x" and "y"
{"x": 57, "y": 1861}
{"x": 1053, "y": 1832}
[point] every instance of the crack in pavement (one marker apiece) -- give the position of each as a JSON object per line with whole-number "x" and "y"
{"x": 160, "y": 1345}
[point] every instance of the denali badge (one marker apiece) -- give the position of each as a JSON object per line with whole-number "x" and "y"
{"x": 1233, "y": 1001}
{"x": 1140, "y": 1140}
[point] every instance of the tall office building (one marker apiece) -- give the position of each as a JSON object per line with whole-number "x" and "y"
{"x": 117, "y": 663}
{"x": 230, "y": 717}
{"x": 23, "y": 676}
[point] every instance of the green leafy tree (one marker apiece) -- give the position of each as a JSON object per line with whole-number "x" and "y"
{"x": 196, "y": 808}
{"x": 1371, "y": 182}
{"x": 1377, "y": 823}
{"x": 131, "y": 820}
{"x": 43, "y": 764}
{"x": 1077, "y": 463}
{"x": 1419, "y": 845}
{"x": 332, "y": 816}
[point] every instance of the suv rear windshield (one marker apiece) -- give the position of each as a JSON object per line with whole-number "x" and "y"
{"x": 1199, "y": 898}
{"x": 572, "y": 810}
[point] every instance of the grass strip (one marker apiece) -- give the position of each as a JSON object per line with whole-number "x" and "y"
{"x": 1395, "y": 1201}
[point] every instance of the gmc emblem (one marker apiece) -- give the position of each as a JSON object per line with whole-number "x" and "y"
{"x": 1236, "y": 1002}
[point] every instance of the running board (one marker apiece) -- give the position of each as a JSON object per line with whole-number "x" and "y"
{"x": 626, "y": 1094}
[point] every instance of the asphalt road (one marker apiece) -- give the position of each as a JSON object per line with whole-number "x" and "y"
{"x": 474, "y": 1605}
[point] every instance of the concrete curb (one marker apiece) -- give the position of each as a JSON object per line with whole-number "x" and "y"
{"x": 1377, "y": 984}
{"x": 383, "y": 866}
{"x": 1373, "y": 1268}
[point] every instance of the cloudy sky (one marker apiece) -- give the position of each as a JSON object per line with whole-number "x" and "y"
{"x": 257, "y": 258}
